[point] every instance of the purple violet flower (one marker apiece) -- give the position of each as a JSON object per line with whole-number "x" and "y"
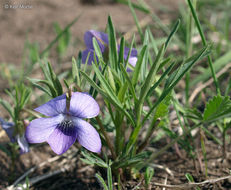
{"x": 102, "y": 40}
{"x": 21, "y": 140}
{"x": 61, "y": 129}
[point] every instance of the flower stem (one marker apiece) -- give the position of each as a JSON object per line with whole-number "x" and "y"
{"x": 106, "y": 137}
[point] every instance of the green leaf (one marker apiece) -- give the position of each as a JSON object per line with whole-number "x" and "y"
{"x": 105, "y": 85}
{"x": 112, "y": 45}
{"x": 94, "y": 159}
{"x": 109, "y": 176}
{"x": 128, "y": 84}
{"x": 153, "y": 42}
{"x": 111, "y": 79}
{"x": 148, "y": 175}
{"x": 151, "y": 90}
{"x": 8, "y": 107}
{"x": 150, "y": 78}
{"x": 55, "y": 81}
{"x": 147, "y": 59}
{"x": 102, "y": 182}
{"x": 175, "y": 28}
{"x": 129, "y": 161}
{"x": 97, "y": 48}
{"x": 129, "y": 53}
{"x": 218, "y": 107}
{"x": 34, "y": 82}
{"x": 140, "y": 61}
{"x": 121, "y": 52}
{"x": 194, "y": 114}
{"x": 189, "y": 177}
{"x": 75, "y": 72}
{"x": 217, "y": 65}
{"x": 162, "y": 108}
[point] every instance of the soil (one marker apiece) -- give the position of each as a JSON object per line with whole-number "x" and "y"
{"x": 36, "y": 25}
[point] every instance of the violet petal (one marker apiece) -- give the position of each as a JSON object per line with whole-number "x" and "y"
{"x": 91, "y": 56}
{"x": 133, "y": 56}
{"x": 23, "y": 144}
{"x": 53, "y": 107}
{"x": 9, "y": 128}
{"x": 101, "y": 38}
{"x": 40, "y": 129}
{"x": 60, "y": 142}
{"x": 83, "y": 105}
{"x": 87, "y": 136}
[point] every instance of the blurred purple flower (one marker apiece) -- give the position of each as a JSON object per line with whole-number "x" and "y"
{"x": 20, "y": 139}
{"x": 61, "y": 129}
{"x": 102, "y": 40}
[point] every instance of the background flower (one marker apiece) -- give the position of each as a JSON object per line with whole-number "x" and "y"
{"x": 9, "y": 127}
{"x": 102, "y": 39}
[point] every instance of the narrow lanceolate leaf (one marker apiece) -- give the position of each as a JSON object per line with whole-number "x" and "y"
{"x": 97, "y": 48}
{"x": 148, "y": 175}
{"x": 151, "y": 90}
{"x": 101, "y": 181}
{"x": 128, "y": 84}
{"x": 140, "y": 61}
{"x": 175, "y": 28}
{"x": 129, "y": 161}
{"x": 121, "y": 52}
{"x": 45, "y": 70}
{"x": 148, "y": 82}
{"x": 178, "y": 74}
{"x": 7, "y": 106}
{"x": 55, "y": 81}
{"x": 35, "y": 83}
{"x": 111, "y": 79}
{"x": 109, "y": 177}
{"x": 153, "y": 42}
{"x": 112, "y": 45}
{"x": 104, "y": 83}
{"x": 147, "y": 59}
{"x": 162, "y": 109}
{"x": 218, "y": 107}
{"x": 94, "y": 159}
{"x": 217, "y": 65}
{"x": 75, "y": 72}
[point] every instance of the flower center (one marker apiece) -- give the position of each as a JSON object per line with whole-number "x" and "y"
{"x": 67, "y": 127}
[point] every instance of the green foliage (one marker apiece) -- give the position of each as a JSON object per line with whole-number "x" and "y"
{"x": 217, "y": 108}
{"x": 20, "y": 96}
{"x": 26, "y": 185}
{"x": 190, "y": 179}
{"x": 52, "y": 84}
{"x": 149, "y": 172}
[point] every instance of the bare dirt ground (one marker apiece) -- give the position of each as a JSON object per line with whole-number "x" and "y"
{"x": 36, "y": 25}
